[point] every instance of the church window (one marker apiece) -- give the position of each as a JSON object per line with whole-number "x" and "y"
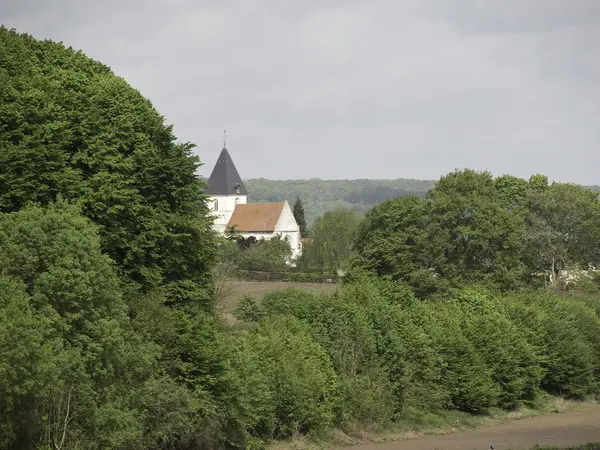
{"x": 216, "y": 205}
{"x": 237, "y": 200}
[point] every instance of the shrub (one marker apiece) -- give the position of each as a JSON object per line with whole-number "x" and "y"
{"x": 513, "y": 361}
{"x": 289, "y": 384}
{"x": 465, "y": 373}
{"x": 367, "y": 400}
{"x": 247, "y": 309}
{"x": 270, "y": 255}
{"x": 570, "y": 344}
{"x": 343, "y": 329}
{"x": 410, "y": 358}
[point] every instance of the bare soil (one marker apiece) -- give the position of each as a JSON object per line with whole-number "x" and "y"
{"x": 558, "y": 430}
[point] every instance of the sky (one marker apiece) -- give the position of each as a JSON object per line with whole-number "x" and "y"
{"x": 345, "y": 89}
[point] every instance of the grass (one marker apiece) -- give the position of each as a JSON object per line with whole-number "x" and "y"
{"x": 421, "y": 423}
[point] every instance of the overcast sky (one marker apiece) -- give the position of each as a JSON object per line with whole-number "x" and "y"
{"x": 355, "y": 88}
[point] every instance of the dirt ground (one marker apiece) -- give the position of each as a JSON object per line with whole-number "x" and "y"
{"x": 232, "y": 290}
{"x": 559, "y": 430}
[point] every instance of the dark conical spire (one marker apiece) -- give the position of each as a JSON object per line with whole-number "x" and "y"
{"x": 225, "y": 179}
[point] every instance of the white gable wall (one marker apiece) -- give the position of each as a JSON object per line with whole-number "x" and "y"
{"x": 287, "y": 227}
{"x": 223, "y": 208}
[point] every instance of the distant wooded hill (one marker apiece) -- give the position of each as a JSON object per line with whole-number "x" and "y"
{"x": 320, "y": 196}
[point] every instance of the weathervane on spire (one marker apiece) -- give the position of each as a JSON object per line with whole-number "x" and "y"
{"x": 224, "y": 138}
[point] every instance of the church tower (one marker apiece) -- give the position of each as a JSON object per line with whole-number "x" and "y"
{"x": 225, "y": 189}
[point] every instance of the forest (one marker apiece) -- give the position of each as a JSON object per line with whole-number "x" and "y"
{"x": 321, "y": 196}
{"x": 472, "y": 295}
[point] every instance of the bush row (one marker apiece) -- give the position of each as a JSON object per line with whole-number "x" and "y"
{"x": 372, "y": 354}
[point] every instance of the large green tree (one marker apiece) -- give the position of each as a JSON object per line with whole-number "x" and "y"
{"x": 70, "y": 127}
{"x": 469, "y": 228}
{"x": 564, "y": 228}
{"x": 483, "y": 239}
{"x": 71, "y": 130}
{"x": 72, "y": 369}
{"x": 395, "y": 241}
{"x": 332, "y": 236}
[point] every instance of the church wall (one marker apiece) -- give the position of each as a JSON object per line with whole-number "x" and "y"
{"x": 226, "y": 205}
{"x": 287, "y": 226}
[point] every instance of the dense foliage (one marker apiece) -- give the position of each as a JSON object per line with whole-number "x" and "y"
{"x": 321, "y": 196}
{"x": 251, "y": 254}
{"x": 73, "y": 371}
{"x": 328, "y": 249}
{"x": 70, "y": 127}
{"x": 108, "y": 336}
{"x": 472, "y": 227}
{"x": 394, "y": 355}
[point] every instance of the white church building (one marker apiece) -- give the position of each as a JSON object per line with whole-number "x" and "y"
{"x": 228, "y": 198}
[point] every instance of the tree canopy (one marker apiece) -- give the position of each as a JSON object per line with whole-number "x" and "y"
{"x": 71, "y": 128}
{"x": 331, "y": 241}
{"x": 321, "y": 196}
{"x": 472, "y": 227}
{"x": 106, "y": 262}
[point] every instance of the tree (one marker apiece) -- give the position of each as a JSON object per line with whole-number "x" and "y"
{"x": 332, "y": 237}
{"x": 470, "y": 228}
{"x": 62, "y": 306}
{"x": 394, "y": 241}
{"x": 289, "y": 382}
{"x": 483, "y": 239}
{"x": 71, "y": 128}
{"x": 564, "y": 228}
{"x": 298, "y": 211}
{"x": 269, "y": 255}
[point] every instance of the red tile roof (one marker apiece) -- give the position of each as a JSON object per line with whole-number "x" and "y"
{"x": 260, "y": 217}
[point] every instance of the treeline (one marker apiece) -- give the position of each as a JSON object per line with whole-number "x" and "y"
{"x": 374, "y": 354}
{"x": 321, "y": 196}
{"x": 471, "y": 227}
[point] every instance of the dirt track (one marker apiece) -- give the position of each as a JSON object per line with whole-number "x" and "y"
{"x": 560, "y": 430}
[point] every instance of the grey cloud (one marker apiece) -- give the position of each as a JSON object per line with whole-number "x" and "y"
{"x": 354, "y": 89}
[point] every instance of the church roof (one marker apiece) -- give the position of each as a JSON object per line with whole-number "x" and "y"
{"x": 259, "y": 217}
{"x": 225, "y": 178}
